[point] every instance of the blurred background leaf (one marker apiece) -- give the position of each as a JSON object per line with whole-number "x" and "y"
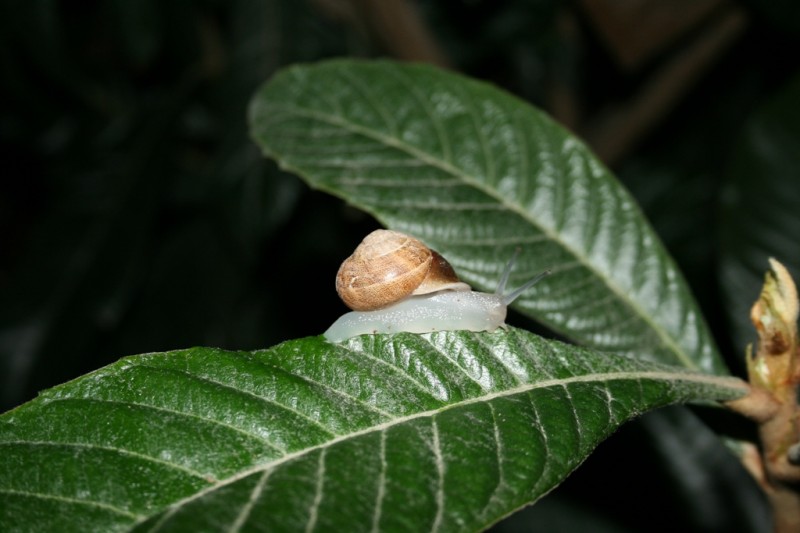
{"x": 760, "y": 215}
{"x": 136, "y": 215}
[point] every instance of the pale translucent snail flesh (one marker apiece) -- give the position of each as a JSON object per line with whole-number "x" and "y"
{"x": 396, "y": 283}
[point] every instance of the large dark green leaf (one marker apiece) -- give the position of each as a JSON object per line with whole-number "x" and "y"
{"x": 448, "y": 431}
{"x": 477, "y": 173}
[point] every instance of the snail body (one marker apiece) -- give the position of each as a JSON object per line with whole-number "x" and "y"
{"x": 396, "y": 283}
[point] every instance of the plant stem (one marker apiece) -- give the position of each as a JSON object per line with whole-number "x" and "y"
{"x": 774, "y": 374}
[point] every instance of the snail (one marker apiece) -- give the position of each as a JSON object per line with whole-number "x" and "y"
{"x": 393, "y": 282}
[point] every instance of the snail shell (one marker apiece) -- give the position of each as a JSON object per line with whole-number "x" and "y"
{"x": 388, "y": 267}
{"x": 395, "y": 283}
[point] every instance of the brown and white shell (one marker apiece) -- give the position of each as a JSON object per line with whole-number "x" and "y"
{"x": 389, "y": 266}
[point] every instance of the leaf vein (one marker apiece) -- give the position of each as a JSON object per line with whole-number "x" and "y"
{"x": 381, "y": 492}
{"x": 241, "y": 392}
{"x": 120, "y": 451}
{"x": 73, "y": 501}
{"x": 247, "y": 507}
{"x": 440, "y": 470}
{"x": 313, "y": 512}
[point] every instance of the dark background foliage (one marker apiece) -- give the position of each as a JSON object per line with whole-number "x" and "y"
{"x": 136, "y": 215}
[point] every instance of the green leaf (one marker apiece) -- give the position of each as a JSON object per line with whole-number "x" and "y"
{"x": 448, "y": 431}
{"x": 477, "y": 173}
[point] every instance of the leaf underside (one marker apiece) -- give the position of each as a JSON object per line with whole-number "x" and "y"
{"x": 448, "y": 431}
{"x": 476, "y": 174}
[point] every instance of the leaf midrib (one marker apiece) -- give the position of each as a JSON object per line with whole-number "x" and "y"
{"x": 445, "y": 166}
{"x": 732, "y": 383}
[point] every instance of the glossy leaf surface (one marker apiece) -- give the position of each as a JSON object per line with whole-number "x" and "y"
{"x": 477, "y": 173}
{"x": 448, "y": 431}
